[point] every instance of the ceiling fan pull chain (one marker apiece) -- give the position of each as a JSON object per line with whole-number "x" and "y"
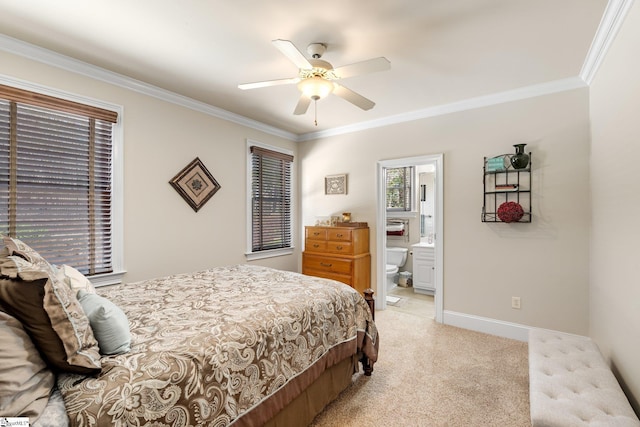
{"x": 315, "y": 110}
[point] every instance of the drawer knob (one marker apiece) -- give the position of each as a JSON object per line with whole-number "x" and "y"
{"x": 339, "y": 248}
{"x": 339, "y": 234}
{"x": 316, "y": 245}
{"x": 325, "y": 264}
{"x": 316, "y": 233}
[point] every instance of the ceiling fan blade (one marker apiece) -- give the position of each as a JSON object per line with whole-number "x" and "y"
{"x": 303, "y": 105}
{"x": 268, "y": 83}
{"x": 291, "y": 51}
{"x": 354, "y": 98}
{"x": 364, "y": 67}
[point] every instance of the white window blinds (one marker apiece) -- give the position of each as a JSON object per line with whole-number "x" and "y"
{"x": 56, "y": 178}
{"x": 399, "y": 188}
{"x": 270, "y": 199}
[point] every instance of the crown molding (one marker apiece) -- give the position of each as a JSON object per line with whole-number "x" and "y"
{"x": 48, "y": 57}
{"x": 610, "y": 24}
{"x": 525, "y": 92}
{"x": 615, "y": 13}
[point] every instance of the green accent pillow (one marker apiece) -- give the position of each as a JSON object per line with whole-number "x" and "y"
{"x": 109, "y": 323}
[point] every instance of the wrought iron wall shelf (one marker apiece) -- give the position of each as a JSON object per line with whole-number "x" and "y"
{"x": 507, "y": 185}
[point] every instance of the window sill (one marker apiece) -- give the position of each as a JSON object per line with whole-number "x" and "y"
{"x": 268, "y": 254}
{"x": 107, "y": 279}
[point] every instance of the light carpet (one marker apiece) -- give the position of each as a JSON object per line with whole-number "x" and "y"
{"x": 430, "y": 374}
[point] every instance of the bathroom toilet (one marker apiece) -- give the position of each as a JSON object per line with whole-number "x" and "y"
{"x": 396, "y": 258}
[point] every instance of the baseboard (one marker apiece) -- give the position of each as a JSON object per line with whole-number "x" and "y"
{"x": 486, "y": 325}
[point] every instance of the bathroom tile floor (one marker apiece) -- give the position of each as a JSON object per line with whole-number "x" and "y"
{"x": 412, "y": 303}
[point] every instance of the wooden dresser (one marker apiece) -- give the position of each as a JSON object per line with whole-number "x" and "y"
{"x": 338, "y": 253}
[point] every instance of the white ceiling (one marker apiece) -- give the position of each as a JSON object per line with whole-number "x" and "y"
{"x": 441, "y": 51}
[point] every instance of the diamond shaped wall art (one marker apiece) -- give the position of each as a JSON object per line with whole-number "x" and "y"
{"x": 195, "y": 184}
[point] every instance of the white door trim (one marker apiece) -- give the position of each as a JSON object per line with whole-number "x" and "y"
{"x": 381, "y": 218}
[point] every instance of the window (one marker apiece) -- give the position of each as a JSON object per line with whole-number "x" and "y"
{"x": 270, "y": 201}
{"x": 399, "y": 188}
{"x": 56, "y": 178}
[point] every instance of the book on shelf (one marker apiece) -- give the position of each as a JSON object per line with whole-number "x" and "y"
{"x": 506, "y": 187}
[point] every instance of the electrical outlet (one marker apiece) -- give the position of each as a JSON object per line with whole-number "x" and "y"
{"x": 515, "y": 302}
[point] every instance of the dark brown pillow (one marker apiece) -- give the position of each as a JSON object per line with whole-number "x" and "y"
{"x": 66, "y": 319}
{"x": 24, "y": 301}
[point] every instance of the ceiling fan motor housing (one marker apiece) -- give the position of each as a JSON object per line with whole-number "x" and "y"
{"x": 316, "y": 50}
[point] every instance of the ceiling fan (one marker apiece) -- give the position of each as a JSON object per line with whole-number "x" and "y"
{"x": 317, "y": 78}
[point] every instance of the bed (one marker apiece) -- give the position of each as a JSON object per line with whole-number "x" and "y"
{"x": 239, "y": 345}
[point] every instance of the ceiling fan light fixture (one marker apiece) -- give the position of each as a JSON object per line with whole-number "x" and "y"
{"x": 316, "y": 87}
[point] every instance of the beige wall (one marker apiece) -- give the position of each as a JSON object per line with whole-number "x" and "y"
{"x": 163, "y": 235}
{"x": 545, "y": 262}
{"x": 615, "y": 126}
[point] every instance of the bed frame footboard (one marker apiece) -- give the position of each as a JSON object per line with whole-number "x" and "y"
{"x": 367, "y": 366}
{"x": 368, "y": 297}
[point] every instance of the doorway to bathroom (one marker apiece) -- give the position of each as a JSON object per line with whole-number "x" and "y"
{"x": 410, "y": 216}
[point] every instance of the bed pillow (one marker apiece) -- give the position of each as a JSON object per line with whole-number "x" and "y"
{"x": 24, "y": 300}
{"x": 14, "y": 265}
{"x": 72, "y": 325}
{"x": 75, "y": 280}
{"x": 51, "y": 315}
{"x": 25, "y": 380}
{"x": 108, "y": 322}
{"x": 18, "y": 247}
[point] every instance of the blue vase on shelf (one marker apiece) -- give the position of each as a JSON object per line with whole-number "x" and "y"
{"x": 520, "y": 160}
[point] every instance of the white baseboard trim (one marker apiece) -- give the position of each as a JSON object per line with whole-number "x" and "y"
{"x": 486, "y": 325}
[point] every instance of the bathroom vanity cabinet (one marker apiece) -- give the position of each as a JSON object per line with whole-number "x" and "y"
{"x": 338, "y": 253}
{"x": 424, "y": 267}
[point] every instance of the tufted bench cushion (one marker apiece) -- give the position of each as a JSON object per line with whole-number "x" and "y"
{"x": 571, "y": 384}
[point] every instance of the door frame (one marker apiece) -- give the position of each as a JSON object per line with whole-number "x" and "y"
{"x": 381, "y": 218}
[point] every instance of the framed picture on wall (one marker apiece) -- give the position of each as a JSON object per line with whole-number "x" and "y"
{"x": 335, "y": 184}
{"x": 195, "y": 184}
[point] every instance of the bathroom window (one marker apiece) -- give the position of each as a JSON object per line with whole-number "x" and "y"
{"x": 399, "y": 182}
{"x": 270, "y": 201}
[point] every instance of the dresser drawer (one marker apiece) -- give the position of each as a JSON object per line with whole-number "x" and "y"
{"x": 339, "y": 247}
{"x": 326, "y": 264}
{"x": 315, "y": 245}
{"x": 316, "y": 233}
{"x": 340, "y": 234}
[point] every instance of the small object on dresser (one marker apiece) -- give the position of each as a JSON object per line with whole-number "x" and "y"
{"x": 352, "y": 224}
{"x": 346, "y": 217}
{"x": 323, "y": 221}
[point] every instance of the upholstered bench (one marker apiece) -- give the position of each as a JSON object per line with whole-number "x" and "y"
{"x": 571, "y": 385}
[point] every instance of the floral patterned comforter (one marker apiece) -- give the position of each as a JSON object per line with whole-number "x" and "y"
{"x": 209, "y": 347}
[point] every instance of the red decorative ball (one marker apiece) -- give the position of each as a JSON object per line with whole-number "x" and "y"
{"x": 510, "y": 212}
